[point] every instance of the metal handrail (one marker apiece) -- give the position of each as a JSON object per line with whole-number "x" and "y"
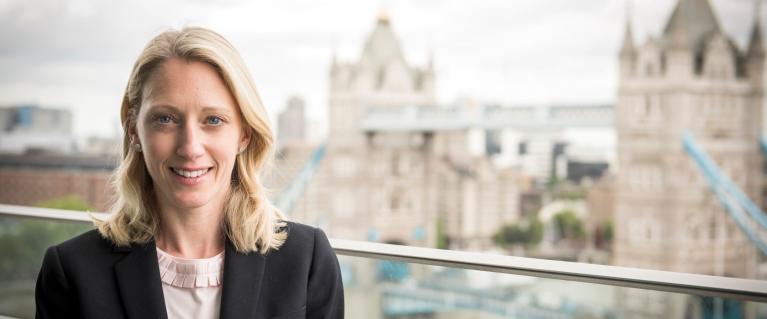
{"x": 715, "y": 286}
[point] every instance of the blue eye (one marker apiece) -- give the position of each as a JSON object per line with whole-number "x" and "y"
{"x": 164, "y": 119}
{"x": 214, "y": 120}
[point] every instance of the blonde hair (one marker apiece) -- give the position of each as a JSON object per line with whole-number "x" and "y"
{"x": 251, "y": 222}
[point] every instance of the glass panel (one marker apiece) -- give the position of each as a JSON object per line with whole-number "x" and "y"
{"x": 389, "y": 289}
{"x": 23, "y": 242}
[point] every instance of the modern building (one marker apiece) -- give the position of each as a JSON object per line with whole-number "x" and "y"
{"x": 31, "y": 179}
{"x": 291, "y": 123}
{"x": 29, "y": 128}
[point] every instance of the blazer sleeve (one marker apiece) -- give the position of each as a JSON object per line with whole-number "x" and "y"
{"x": 53, "y": 297}
{"x": 325, "y": 296}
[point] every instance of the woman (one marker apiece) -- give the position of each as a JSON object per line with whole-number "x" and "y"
{"x": 192, "y": 233}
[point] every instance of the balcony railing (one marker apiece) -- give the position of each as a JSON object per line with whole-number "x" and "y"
{"x": 413, "y": 280}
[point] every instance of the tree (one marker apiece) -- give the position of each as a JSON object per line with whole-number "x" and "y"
{"x": 23, "y": 241}
{"x": 568, "y": 225}
{"x": 441, "y": 236}
{"x": 528, "y": 232}
{"x": 604, "y": 235}
{"x": 71, "y": 202}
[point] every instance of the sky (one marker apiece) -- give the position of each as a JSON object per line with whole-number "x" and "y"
{"x": 78, "y": 54}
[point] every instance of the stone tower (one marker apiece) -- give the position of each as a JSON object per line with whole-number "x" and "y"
{"x": 397, "y": 167}
{"x": 693, "y": 77}
{"x": 358, "y": 192}
{"x": 380, "y": 78}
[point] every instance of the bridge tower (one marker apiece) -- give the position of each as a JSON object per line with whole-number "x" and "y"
{"x": 350, "y": 196}
{"x": 691, "y": 77}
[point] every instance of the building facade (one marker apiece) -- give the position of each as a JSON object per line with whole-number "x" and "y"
{"x": 401, "y": 185}
{"x": 32, "y": 179}
{"x": 29, "y": 128}
{"x": 692, "y": 78}
{"x": 291, "y": 123}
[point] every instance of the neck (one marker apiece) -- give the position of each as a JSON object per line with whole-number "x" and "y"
{"x": 191, "y": 233}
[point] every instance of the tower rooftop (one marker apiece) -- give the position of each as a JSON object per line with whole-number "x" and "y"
{"x": 691, "y": 23}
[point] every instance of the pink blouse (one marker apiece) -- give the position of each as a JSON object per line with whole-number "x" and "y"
{"x": 192, "y": 287}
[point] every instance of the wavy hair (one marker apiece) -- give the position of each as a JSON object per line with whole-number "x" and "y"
{"x": 251, "y": 222}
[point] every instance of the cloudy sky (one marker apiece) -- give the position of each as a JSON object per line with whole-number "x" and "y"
{"x": 77, "y": 54}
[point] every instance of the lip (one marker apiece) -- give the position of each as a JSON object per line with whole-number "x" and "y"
{"x": 191, "y": 168}
{"x": 190, "y": 181}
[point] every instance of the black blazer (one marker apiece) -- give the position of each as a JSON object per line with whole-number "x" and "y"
{"x": 89, "y": 277}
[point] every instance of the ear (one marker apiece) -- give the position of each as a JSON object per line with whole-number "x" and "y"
{"x": 247, "y": 132}
{"x": 132, "y": 133}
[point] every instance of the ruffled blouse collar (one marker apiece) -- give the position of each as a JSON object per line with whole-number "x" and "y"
{"x": 191, "y": 273}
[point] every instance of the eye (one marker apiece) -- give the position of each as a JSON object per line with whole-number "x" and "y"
{"x": 215, "y": 120}
{"x": 164, "y": 119}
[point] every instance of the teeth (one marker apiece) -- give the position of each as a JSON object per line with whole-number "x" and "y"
{"x": 190, "y": 174}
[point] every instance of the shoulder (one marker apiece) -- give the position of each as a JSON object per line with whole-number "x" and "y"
{"x": 300, "y": 231}
{"x": 80, "y": 259}
{"x": 302, "y": 235}
{"x": 75, "y": 270}
{"x": 90, "y": 241}
{"x": 304, "y": 240}
{"x": 89, "y": 247}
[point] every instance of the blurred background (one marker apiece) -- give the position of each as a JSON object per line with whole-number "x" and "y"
{"x": 594, "y": 131}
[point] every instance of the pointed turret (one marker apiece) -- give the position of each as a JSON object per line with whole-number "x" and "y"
{"x": 382, "y": 66}
{"x": 755, "y": 52}
{"x": 628, "y": 41}
{"x": 628, "y": 51}
{"x": 426, "y": 82}
{"x": 382, "y": 45}
{"x": 628, "y": 47}
{"x": 755, "y": 45}
{"x": 690, "y": 23}
{"x": 383, "y": 16}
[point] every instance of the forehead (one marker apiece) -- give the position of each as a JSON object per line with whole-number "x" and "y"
{"x": 182, "y": 83}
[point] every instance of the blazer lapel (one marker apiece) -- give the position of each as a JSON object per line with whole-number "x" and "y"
{"x": 242, "y": 283}
{"x": 138, "y": 279}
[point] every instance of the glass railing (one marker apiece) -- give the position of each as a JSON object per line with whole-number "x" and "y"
{"x": 391, "y": 281}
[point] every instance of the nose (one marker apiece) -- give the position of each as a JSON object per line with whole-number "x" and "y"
{"x": 190, "y": 142}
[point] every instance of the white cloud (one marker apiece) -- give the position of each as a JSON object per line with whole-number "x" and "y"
{"x": 77, "y": 54}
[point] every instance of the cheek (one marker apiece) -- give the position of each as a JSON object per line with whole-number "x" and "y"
{"x": 157, "y": 149}
{"x": 226, "y": 155}
{"x": 226, "y": 145}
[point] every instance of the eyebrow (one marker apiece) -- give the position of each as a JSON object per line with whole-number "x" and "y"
{"x": 157, "y": 107}
{"x": 217, "y": 109}
{"x": 206, "y": 109}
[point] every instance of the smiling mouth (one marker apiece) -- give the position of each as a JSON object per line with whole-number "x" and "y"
{"x": 190, "y": 173}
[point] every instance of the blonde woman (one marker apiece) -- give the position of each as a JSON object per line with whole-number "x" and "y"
{"x": 192, "y": 234}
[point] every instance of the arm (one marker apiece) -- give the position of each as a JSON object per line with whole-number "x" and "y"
{"x": 53, "y": 297}
{"x": 325, "y": 295}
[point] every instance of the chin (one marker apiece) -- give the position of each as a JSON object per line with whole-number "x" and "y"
{"x": 191, "y": 201}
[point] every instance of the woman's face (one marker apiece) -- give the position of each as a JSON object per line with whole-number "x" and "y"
{"x": 191, "y": 131}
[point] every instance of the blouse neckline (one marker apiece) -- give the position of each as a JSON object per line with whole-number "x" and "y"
{"x": 190, "y": 273}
